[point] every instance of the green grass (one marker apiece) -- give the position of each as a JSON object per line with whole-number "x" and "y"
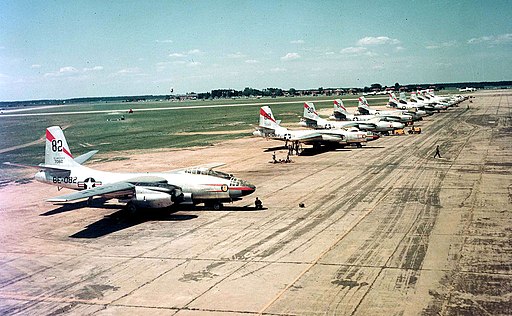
{"x": 147, "y": 129}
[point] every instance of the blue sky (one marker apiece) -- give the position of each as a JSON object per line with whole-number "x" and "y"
{"x": 64, "y": 49}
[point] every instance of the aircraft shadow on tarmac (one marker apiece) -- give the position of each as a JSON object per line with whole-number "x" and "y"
{"x": 122, "y": 219}
{"x": 77, "y": 205}
{"x": 275, "y": 148}
{"x": 229, "y": 209}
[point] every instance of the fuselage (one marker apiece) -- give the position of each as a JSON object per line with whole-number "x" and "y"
{"x": 198, "y": 184}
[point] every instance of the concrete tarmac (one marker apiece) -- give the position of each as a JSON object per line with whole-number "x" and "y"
{"x": 385, "y": 230}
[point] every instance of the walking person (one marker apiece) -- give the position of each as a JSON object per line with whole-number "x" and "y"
{"x": 438, "y": 154}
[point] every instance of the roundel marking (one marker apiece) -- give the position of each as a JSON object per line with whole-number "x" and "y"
{"x": 89, "y": 183}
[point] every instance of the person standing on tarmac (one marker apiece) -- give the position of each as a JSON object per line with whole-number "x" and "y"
{"x": 438, "y": 154}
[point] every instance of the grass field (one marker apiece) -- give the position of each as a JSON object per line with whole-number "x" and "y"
{"x": 144, "y": 129}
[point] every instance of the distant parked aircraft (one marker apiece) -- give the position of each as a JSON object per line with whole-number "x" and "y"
{"x": 271, "y": 128}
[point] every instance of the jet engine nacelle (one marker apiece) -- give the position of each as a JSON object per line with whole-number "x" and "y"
{"x": 153, "y": 199}
{"x": 331, "y": 138}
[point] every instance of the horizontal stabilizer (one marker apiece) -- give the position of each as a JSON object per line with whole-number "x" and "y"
{"x": 38, "y": 167}
{"x": 83, "y": 158}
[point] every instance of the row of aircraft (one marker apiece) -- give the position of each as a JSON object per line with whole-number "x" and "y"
{"x": 202, "y": 184}
{"x": 343, "y": 128}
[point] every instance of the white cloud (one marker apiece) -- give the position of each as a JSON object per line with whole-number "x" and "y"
{"x": 277, "y": 69}
{"x": 378, "y": 67}
{"x": 95, "y": 68}
{"x": 236, "y": 55}
{"x": 379, "y": 40}
{"x": 35, "y": 66}
{"x": 290, "y": 56}
{"x": 492, "y": 39}
{"x": 441, "y": 45}
{"x": 63, "y": 71}
{"x": 297, "y": 42}
{"x": 194, "y": 64}
{"x": 176, "y": 55}
{"x": 354, "y": 50}
{"x": 251, "y": 61}
{"x": 164, "y": 41}
{"x": 399, "y": 48}
{"x": 329, "y": 53}
{"x": 128, "y": 71}
{"x": 68, "y": 70}
{"x": 194, "y": 52}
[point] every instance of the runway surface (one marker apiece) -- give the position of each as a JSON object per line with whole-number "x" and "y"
{"x": 385, "y": 230}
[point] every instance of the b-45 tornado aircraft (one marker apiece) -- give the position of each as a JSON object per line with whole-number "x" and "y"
{"x": 269, "y": 127}
{"x": 364, "y": 122}
{"x": 312, "y": 119}
{"x": 194, "y": 185}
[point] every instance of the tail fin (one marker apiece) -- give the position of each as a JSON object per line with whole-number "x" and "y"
{"x": 267, "y": 119}
{"x": 340, "y": 111}
{"x": 402, "y": 96}
{"x": 393, "y": 101}
{"x": 363, "y": 107}
{"x": 57, "y": 151}
{"x": 365, "y": 102}
{"x": 339, "y": 106}
{"x": 310, "y": 111}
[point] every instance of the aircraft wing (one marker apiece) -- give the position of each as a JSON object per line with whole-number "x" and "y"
{"x": 309, "y": 137}
{"x": 350, "y": 124}
{"x": 366, "y": 125}
{"x": 100, "y": 190}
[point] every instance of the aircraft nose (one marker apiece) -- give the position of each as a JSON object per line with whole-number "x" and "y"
{"x": 248, "y": 189}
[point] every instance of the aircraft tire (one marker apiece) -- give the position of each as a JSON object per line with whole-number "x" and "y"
{"x": 217, "y": 206}
{"x": 131, "y": 208}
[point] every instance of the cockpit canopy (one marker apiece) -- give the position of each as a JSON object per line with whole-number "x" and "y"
{"x": 234, "y": 182}
{"x": 209, "y": 172}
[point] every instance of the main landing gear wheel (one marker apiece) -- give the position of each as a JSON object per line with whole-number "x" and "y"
{"x": 214, "y": 205}
{"x": 131, "y": 208}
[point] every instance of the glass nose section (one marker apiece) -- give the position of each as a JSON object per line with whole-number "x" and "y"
{"x": 245, "y": 187}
